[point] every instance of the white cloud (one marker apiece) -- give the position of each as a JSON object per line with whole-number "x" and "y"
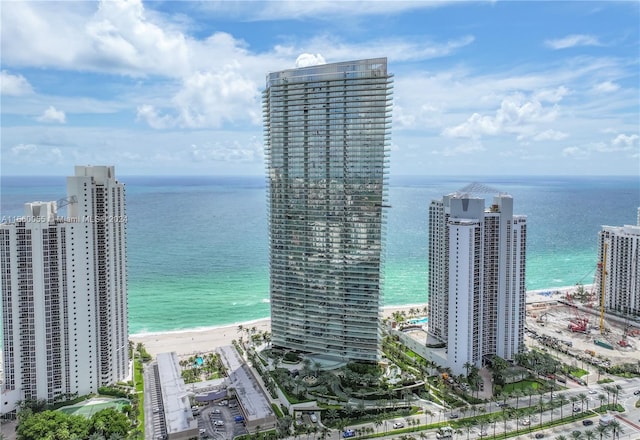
{"x": 39, "y": 154}
{"x": 309, "y": 59}
{"x": 572, "y": 41}
{"x": 52, "y": 115}
{"x": 575, "y": 152}
{"x": 624, "y": 141}
{"x": 550, "y": 135}
{"x": 551, "y": 95}
{"x": 515, "y": 115}
{"x": 395, "y": 49}
{"x": 22, "y": 149}
{"x": 218, "y": 78}
{"x": 626, "y": 145}
{"x": 606, "y": 87}
{"x": 401, "y": 119}
{"x": 228, "y": 152}
{"x": 14, "y": 85}
{"x": 149, "y": 114}
{"x": 473, "y": 146}
{"x": 207, "y": 99}
{"x": 118, "y": 37}
{"x": 330, "y": 10}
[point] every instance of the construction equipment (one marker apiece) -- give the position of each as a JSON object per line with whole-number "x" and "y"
{"x": 603, "y": 344}
{"x": 580, "y": 323}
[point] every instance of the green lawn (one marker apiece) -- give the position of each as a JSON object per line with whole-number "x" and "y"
{"x": 139, "y": 381}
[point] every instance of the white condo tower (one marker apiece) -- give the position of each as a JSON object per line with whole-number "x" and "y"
{"x": 64, "y": 292}
{"x": 477, "y": 291}
{"x": 619, "y": 255}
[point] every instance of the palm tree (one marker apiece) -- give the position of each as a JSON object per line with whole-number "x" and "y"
{"x": 505, "y": 417}
{"x": 616, "y": 392}
{"x": 378, "y": 422}
{"x": 583, "y": 398}
{"x": 574, "y": 400}
{"x": 616, "y": 428}
{"x": 517, "y": 394}
{"x": 493, "y": 419}
{"x": 562, "y": 401}
{"x": 601, "y": 398}
{"x": 427, "y": 413}
{"x": 576, "y": 435}
{"x": 561, "y": 437}
{"x": 602, "y": 430}
{"x": 589, "y": 434}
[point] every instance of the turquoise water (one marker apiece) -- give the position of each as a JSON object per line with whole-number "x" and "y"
{"x": 197, "y": 246}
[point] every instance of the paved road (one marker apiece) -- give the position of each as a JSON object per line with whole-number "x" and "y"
{"x": 629, "y": 420}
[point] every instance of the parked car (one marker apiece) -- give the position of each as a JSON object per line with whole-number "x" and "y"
{"x": 453, "y": 416}
{"x": 398, "y": 425}
{"x": 348, "y": 433}
{"x": 587, "y": 422}
{"x": 313, "y": 417}
{"x": 218, "y": 423}
{"x": 636, "y": 392}
{"x": 539, "y": 435}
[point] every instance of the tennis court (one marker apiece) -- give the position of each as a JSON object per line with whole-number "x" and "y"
{"x": 92, "y": 406}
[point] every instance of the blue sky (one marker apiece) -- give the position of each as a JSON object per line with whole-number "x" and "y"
{"x": 481, "y": 88}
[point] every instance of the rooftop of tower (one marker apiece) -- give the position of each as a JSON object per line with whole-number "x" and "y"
{"x": 476, "y": 189}
{"x": 375, "y": 66}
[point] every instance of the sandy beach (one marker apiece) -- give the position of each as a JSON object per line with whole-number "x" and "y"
{"x": 190, "y": 342}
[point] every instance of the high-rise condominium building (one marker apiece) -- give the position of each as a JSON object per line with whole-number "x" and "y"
{"x": 64, "y": 292}
{"x": 619, "y": 255}
{"x": 326, "y": 145}
{"x": 477, "y": 258}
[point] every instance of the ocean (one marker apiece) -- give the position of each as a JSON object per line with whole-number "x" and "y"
{"x": 198, "y": 246}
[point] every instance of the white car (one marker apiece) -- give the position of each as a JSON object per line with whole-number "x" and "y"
{"x": 313, "y": 418}
{"x": 218, "y": 423}
{"x": 398, "y": 425}
{"x": 593, "y": 392}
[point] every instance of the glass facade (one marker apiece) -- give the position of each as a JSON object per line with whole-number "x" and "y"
{"x": 327, "y": 132}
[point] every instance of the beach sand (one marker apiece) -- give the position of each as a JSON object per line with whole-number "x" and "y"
{"x": 193, "y": 342}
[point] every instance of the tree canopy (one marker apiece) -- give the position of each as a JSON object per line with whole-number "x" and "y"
{"x": 56, "y": 425}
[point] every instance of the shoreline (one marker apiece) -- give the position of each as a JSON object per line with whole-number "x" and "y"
{"x": 253, "y": 322}
{"x": 190, "y": 342}
{"x": 194, "y": 341}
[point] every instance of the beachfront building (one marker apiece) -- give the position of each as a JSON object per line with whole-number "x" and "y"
{"x": 477, "y": 258}
{"x": 326, "y": 147}
{"x": 63, "y": 283}
{"x": 619, "y": 255}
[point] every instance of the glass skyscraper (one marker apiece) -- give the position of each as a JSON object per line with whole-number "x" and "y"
{"x": 327, "y": 131}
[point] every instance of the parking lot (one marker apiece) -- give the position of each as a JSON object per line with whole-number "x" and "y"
{"x": 221, "y": 420}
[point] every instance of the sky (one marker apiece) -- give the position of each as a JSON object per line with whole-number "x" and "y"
{"x": 175, "y": 88}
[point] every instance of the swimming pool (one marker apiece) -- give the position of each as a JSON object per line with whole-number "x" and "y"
{"x": 422, "y": 320}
